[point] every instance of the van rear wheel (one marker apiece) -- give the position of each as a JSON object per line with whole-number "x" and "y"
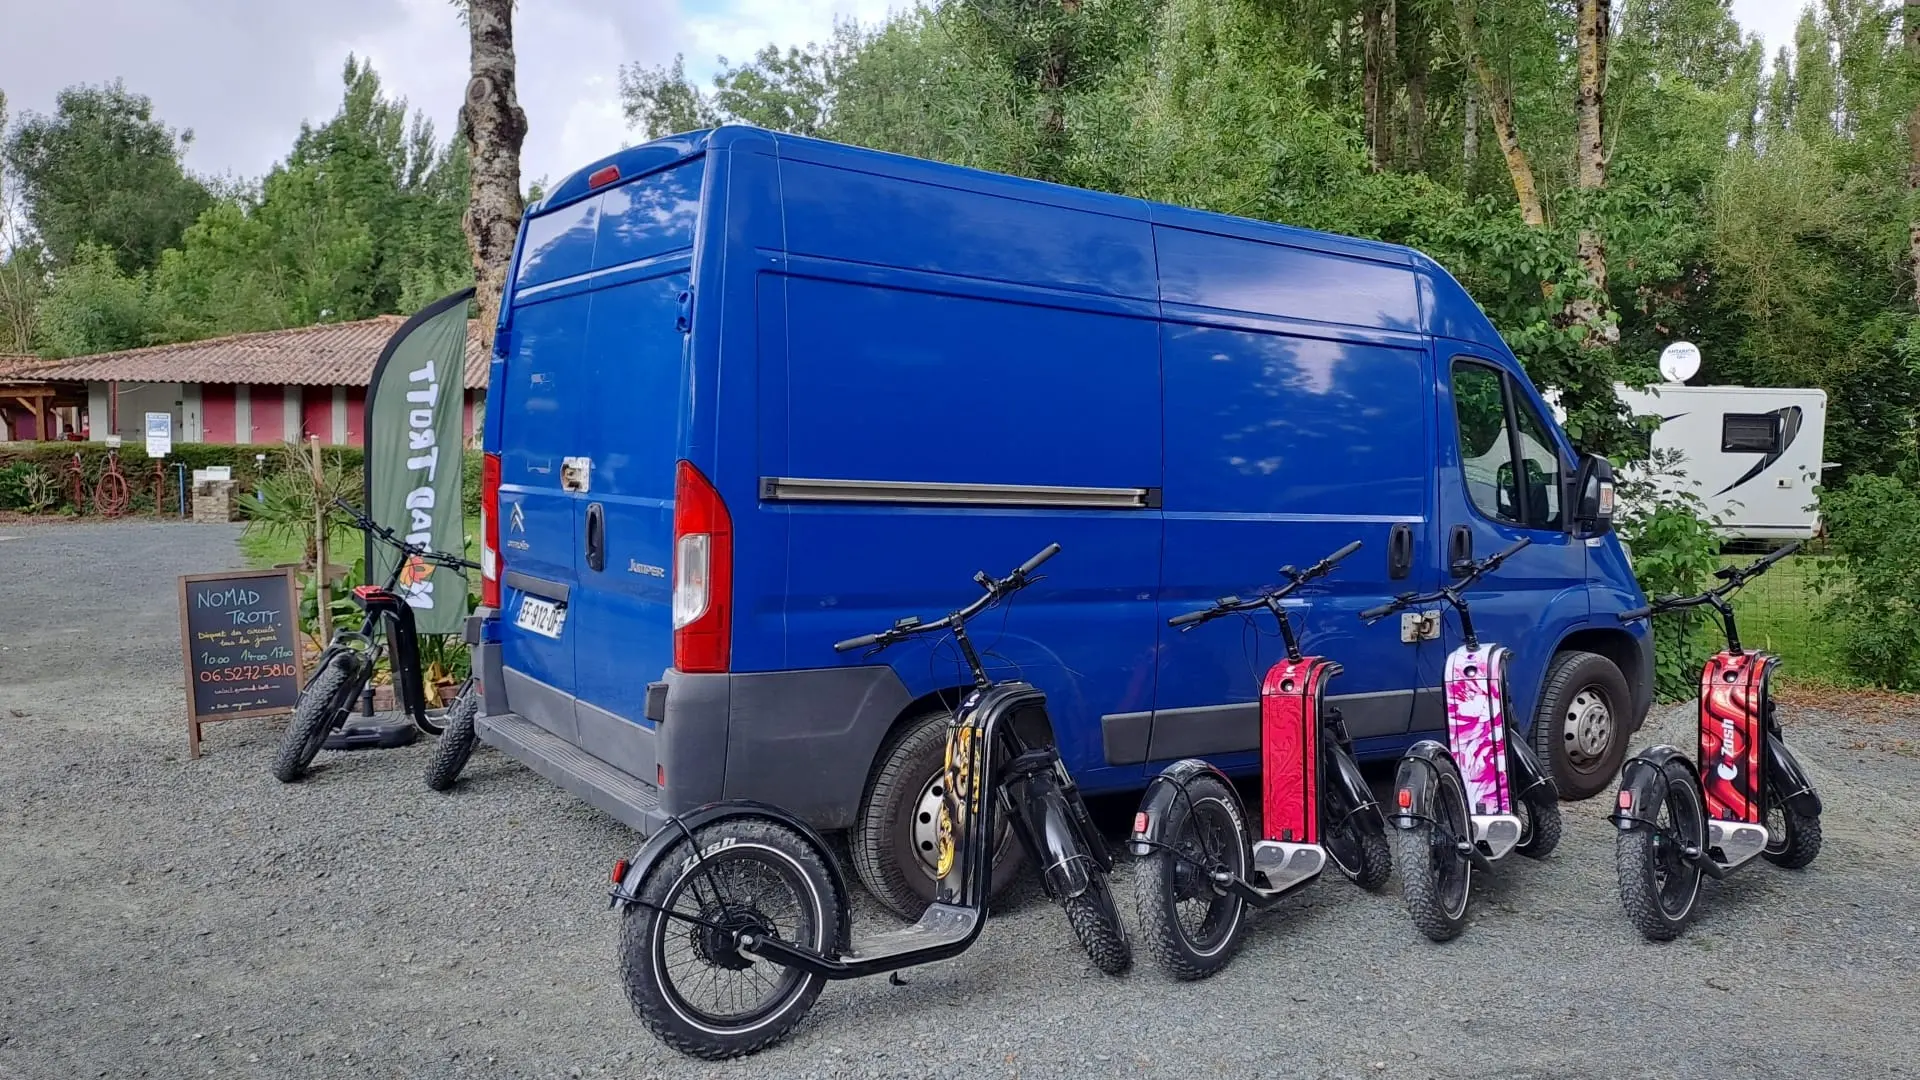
{"x": 1579, "y": 727}
{"x": 892, "y": 840}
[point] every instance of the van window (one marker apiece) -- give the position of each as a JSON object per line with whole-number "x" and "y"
{"x": 1511, "y": 464}
{"x": 1540, "y": 464}
{"x": 1486, "y": 455}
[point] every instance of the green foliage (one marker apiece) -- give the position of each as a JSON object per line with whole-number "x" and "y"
{"x": 362, "y": 218}
{"x": 27, "y": 487}
{"x": 1874, "y": 585}
{"x": 290, "y": 503}
{"x": 102, "y": 171}
{"x": 1673, "y": 549}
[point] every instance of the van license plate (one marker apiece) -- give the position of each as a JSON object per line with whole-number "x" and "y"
{"x": 543, "y": 617}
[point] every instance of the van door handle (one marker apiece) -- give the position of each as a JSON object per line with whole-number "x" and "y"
{"x": 1400, "y": 551}
{"x": 1459, "y": 548}
{"x": 596, "y": 537}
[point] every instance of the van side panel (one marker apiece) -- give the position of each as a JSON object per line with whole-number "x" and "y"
{"x": 935, "y": 335}
{"x": 1286, "y": 439}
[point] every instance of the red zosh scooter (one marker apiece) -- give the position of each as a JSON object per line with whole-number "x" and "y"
{"x": 1198, "y": 873}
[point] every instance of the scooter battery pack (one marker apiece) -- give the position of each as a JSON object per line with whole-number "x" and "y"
{"x": 1733, "y": 690}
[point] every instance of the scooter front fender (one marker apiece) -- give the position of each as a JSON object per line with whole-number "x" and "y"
{"x": 1643, "y": 787}
{"x": 1416, "y": 784}
{"x": 1523, "y": 767}
{"x": 1040, "y": 808}
{"x": 1359, "y": 793}
{"x": 668, "y": 840}
{"x": 1789, "y": 778}
{"x": 1156, "y": 806}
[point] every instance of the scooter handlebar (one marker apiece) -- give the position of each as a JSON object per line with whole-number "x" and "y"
{"x": 1033, "y": 564}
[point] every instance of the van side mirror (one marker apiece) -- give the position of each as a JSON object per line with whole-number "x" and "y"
{"x": 1593, "y": 507}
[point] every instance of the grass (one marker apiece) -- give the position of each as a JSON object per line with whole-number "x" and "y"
{"x": 1781, "y": 613}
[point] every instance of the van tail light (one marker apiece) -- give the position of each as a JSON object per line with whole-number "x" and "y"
{"x": 490, "y": 530}
{"x": 702, "y": 575}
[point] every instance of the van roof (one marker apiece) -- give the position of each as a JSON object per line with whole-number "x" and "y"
{"x": 1446, "y": 308}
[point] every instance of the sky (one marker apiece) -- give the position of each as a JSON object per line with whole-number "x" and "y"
{"x": 243, "y": 74}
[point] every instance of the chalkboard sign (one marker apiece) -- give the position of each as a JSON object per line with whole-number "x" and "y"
{"x": 240, "y": 635}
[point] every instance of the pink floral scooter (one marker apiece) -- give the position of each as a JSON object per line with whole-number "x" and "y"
{"x": 1477, "y": 799}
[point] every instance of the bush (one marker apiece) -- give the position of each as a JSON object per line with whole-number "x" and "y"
{"x": 1674, "y": 550}
{"x": 1873, "y": 523}
{"x": 56, "y": 458}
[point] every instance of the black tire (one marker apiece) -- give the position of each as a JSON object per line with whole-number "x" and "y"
{"x": 1580, "y": 725}
{"x": 1660, "y": 889}
{"x": 1436, "y": 879}
{"x": 1356, "y": 841}
{"x": 788, "y": 862}
{"x": 883, "y": 842}
{"x": 1797, "y": 841}
{"x": 1206, "y": 826}
{"x": 1096, "y": 922}
{"x": 323, "y": 703}
{"x": 1539, "y": 812}
{"x": 455, "y": 744}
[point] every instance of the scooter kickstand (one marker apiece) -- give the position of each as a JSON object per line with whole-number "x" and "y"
{"x": 894, "y": 979}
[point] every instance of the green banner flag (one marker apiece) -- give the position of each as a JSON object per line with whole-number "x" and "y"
{"x": 414, "y": 435}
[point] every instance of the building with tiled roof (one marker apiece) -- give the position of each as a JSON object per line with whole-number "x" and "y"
{"x": 267, "y": 387}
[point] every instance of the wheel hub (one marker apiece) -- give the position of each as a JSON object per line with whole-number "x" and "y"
{"x": 1589, "y": 727}
{"x": 926, "y": 824}
{"x": 718, "y": 944}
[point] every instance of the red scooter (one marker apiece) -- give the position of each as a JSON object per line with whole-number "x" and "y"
{"x": 1198, "y": 875}
{"x": 1744, "y": 796}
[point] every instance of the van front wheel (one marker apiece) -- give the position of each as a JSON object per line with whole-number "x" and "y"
{"x": 1579, "y": 729}
{"x": 892, "y": 839}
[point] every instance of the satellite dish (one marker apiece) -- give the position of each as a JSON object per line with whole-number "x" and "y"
{"x": 1679, "y": 361}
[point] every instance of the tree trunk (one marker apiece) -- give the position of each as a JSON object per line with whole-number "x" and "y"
{"x": 1470, "y": 144}
{"x": 1911, "y": 17}
{"x": 1372, "y": 59}
{"x": 1518, "y": 167}
{"x": 1594, "y": 28}
{"x": 495, "y": 127}
{"x": 1412, "y": 47}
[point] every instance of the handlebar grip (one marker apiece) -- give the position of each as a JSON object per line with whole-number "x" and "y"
{"x": 1512, "y": 549}
{"x": 1033, "y": 564}
{"x": 1332, "y": 560}
{"x": 1636, "y": 614}
{"x": 1190, "y": 618}
{"x": 1776, "y": 556}
{"x": 853, "y": 643}
{"x": 1378, "y": 612}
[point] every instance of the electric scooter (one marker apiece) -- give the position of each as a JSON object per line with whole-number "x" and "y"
{"x": 1746, "y": 795}
{"x": 1480, "y": 797}
{"x": 735, "y": 914}
{"x": 1194, "y": 882}
{"x": 344, "y": 671}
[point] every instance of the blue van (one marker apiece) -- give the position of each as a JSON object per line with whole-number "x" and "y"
{"x": 753, "y": 393}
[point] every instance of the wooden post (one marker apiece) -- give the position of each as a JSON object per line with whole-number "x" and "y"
{"x": 323, "y": 618}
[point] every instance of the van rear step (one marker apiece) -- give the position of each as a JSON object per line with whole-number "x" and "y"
{"x": 599, "y": 784}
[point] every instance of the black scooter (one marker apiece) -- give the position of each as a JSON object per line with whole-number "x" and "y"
{"x": 736, "y": 914}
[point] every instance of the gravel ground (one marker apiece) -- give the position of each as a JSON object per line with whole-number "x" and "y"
{"x": 167, "y": 918}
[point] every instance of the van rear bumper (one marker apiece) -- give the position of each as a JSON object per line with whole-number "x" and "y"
{"x": 801, "y": 740}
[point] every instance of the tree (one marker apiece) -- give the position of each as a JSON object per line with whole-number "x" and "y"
{"x": 1588, "y": 307}
{"x": 103, "y": 171}
{"x": 1498, "y": 96}
{"x": 1911, "y": 27}
{"x": 22, "y": 273}
{"x": 95, "y": 307}
{"x": 494, "y": 126}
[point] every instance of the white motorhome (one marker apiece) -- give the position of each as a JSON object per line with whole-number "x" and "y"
{"x": 1751, "y": 454}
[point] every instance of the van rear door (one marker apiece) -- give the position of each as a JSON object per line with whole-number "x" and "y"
{"x": 589, "y": 438}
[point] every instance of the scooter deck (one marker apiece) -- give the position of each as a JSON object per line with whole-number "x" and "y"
{"x": 1497, "y": 834}
{"x": 1287, "y": 866}
{"x": 1736, "y": 841}
{"x": 941, "y": 924}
